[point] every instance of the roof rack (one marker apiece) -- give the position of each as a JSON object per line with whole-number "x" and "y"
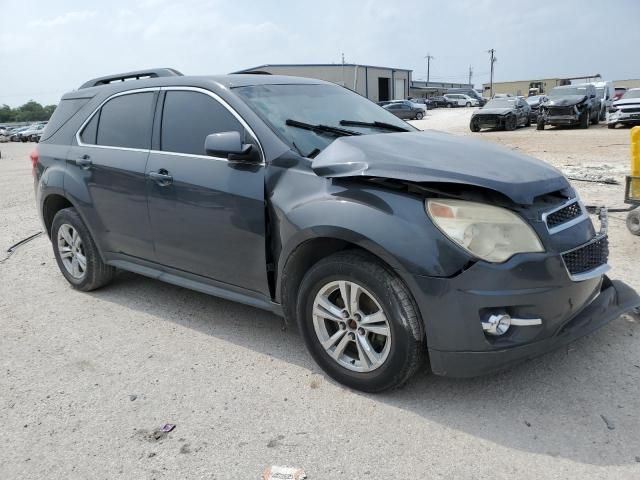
{"x": 137, "y": 75}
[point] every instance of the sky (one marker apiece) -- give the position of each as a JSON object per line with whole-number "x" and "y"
{"x": 50, "y": 47}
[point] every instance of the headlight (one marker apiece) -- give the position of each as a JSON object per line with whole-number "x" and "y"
{"x": 493, "y": 234}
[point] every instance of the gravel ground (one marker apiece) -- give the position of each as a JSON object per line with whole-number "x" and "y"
{"x": 85, "y": 379}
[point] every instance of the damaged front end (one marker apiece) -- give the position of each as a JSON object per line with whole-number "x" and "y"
{"x": 564, "y": 111}
{"x": 492, "y": 310}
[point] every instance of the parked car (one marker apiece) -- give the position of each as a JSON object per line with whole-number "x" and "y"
{"x": 412, "y": 104}
{"x": 534, "y": 103}
{"x": 425, "y": 102}
{"x": 605, "y": 93}
{"x": 461, "y": 100}
{"x": 625, "y": 111}
{"x": 15, "y": 135}
{"x": 505, "y": 113}
{"x": 619, "y": 92}
{"x": 31, "y": 131}
{"x": 469, "y": 92}
{"x": 383, "y": 243}
{"x": 406, "y": 111}
{"x": 440, "y": 101}
{"x": 571, "y": 105}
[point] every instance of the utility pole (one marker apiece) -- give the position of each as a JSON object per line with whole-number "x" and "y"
{"x": 343, "y": 69}
{"x": 428, "y": 58}
{"x": 470, "y": 74}
{"x": 493, "y": 60}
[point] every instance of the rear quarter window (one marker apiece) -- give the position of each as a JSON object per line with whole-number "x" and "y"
{"x": 126, "y": 121}
{"x": 62, "y": 114}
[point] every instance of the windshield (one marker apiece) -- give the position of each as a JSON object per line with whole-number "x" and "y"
{"x": 533, "y": 100}
{"x": 501, "y": 103}
{"x": 600, "y": 92}
{"x": 635, "y": 93}
{"x": 325, "y": 105}
{"x": 562, "y": 91}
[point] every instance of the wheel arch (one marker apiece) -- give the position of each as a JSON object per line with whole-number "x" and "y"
{"x": 309, "y": 247}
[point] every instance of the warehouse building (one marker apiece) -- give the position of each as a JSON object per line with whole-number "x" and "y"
{"x": 422, "y": 89}
{"x": 374, "y": 82}
{"x": 522, "y": 87}
{"x": 629, "y": 83}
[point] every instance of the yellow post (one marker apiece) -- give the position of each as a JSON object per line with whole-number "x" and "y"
{"x": 635, "y": 162}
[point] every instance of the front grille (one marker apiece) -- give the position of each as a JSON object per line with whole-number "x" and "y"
{"x": 561, "y": 111}
{"x": 565, "y": 214}
{"x": 587, "y": 257}
{"x": 631, "y": 110}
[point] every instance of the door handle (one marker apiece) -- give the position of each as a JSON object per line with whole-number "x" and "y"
{"x": 161, "y": 177}
{"x": 84, "y": 162}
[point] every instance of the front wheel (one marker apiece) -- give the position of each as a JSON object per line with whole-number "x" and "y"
{"x": 510, "y": 123}
{"x": 76, "y": 253}
{"x": 584, "y": 119}
{"x": 540, "y": 123}
{"x": 449, "y": 105}
{"x": 611, "y": 125}
{"x": 633, "y": 221}
{"x": 474, "y": 126}
{"x": 359, "y": 322}
{"x": 468, "y": 104}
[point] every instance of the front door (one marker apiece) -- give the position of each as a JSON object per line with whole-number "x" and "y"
{"x": 207, "y": 214}
{"x": 106, "y": 174}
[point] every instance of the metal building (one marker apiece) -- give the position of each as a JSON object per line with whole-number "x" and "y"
{"x": 374, "y": 82}
{"x": 543, "y": 85}
{"x": 422, "y": 89}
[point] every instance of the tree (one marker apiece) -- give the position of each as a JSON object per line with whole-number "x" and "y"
{"x": 31, "y": 111}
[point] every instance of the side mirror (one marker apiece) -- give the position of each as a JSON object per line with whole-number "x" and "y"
{"x": 230, "y": 146}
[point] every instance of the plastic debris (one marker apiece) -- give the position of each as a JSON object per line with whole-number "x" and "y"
{"x": 167, "y": 427}
{"x": 276, "y": 472}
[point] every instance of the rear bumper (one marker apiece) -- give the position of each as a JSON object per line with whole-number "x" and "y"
{"x": 614, "y": 299}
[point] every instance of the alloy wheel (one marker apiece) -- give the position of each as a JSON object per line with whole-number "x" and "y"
{"x": 71, "y": 251}
{"x": 351, "y": 326}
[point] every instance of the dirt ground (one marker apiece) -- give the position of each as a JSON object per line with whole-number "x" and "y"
{"x": 86, "y": 379}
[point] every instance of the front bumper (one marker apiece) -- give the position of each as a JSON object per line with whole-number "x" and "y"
{"x": 624, "y": 117}
{"x": 528, "y": 286}
{"x": 552, "y": 119}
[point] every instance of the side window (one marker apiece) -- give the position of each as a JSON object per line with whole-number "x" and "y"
{"x": 125, "y": 121}
{"x": 187, "y": 119}
{"x": 90, "y": 131}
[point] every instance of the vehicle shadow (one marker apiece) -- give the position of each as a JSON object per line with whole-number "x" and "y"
{"x": 570, "y": 403}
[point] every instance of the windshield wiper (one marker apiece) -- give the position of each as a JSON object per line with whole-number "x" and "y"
{"x": 340, "y": 132}
{"x": 382, "y": 125}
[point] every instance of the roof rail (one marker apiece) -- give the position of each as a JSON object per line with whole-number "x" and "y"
{"x": 137, "y": 75}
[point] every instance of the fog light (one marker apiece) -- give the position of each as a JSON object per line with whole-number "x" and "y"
{"x": 497, "y": 324}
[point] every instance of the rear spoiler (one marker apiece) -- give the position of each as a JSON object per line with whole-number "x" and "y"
{"x": 137, "y": 75}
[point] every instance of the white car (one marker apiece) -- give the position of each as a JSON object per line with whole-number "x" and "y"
{"x": 605, "y": 92}
{"x": 462, "y": 100}
{"x": 626, "y": 110}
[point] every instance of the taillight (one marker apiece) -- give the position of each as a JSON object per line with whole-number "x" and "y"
{"x": 35, "y": 157}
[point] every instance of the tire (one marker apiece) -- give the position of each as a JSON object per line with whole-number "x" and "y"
{"x": 468, "y": 104}
{"x": 540, "y": 124}
{"x": 596, "y": 118}
{"x": 419, "y": 116}
{"x": 473, "y": 126}
{"x": 449, "y": 105}
{"x": 603, "y": 114}
{"x": 611, "y": 125}
{"x": 95, "y": 273}
{"x": 401, "y": 352}
{"x": 633, "y": 221}
{"x": 584, "y": 119}
{"x": 510, "y": 123}
{"x": 528, "y": 122}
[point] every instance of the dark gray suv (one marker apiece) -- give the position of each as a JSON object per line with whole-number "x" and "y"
{"x": 385, "y": 244}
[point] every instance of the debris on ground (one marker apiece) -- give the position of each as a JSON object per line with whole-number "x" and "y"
{"x": 132, "y": 397}
{"x": 608, "y": 423}
{"x": 276, "y": 472}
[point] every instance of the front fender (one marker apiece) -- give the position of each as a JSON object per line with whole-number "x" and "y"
{"x": 392, "y": 225}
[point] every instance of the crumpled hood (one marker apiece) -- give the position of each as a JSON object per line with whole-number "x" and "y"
{"x": 493, "y": 111}
{"x": 565, "y": 101}
{"x": 439, "y": 157}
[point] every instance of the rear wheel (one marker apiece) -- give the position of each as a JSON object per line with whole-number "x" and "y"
{"x": 449, "y": 105}
{"x": 633, "y": 221}
{"x": 76, "y": 253}
{"x": 596, "y": 118}
{"x": 528, "y": 122}
{"x": 419, "y": 115}
{"x": 359, "y": 322}
{"x": 468, "y": 104}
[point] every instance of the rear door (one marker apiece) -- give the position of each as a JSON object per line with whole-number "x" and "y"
{"x": 208, "y": 218}
{"x": 106, "y": 173}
